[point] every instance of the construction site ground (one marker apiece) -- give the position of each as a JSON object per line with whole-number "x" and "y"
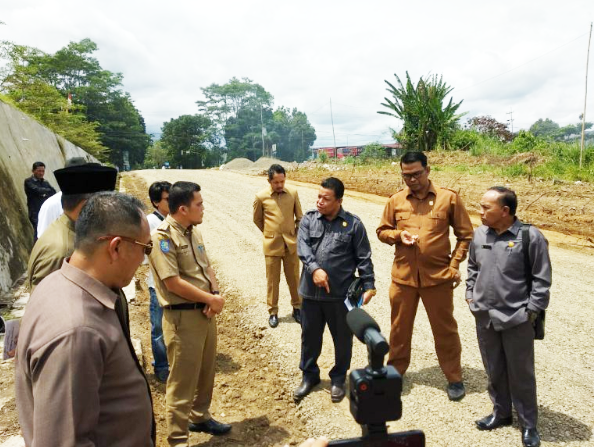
{"x": 257, "y": 367}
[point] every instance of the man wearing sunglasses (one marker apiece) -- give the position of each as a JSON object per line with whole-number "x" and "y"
{"x": 417, "y": 220}
{"x": 78, "y": 380}
{"x": 188, "y": 291}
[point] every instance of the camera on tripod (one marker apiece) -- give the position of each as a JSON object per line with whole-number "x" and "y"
{"x": 374, "y": 391}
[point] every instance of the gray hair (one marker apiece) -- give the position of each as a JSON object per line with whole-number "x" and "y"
{"x": 107, "y": 213}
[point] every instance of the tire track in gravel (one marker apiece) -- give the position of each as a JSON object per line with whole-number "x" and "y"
{"x": 565, "y": 359}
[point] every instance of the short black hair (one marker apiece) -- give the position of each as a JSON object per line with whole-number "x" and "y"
{"x": 38, "y": 164}
{"x": 71, "y": 201}
{"x": 507, "y": 197}
{"x": 107, "y": 213}
{"x": 156, "y": 191}
{"x": 181, "y": 194}
{"x": 275, "y": 169}
{"x": 335, "y": 185}
{"x": 412, "y": 157}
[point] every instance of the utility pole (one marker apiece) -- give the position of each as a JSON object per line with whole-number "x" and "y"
{"x": 262, "y": 128}
{"x": 511, "y": 119}
{"x": 332, "y": 119}
{"x": 585, "y": 98}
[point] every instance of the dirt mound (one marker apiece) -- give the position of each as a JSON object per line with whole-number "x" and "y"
{"x": 262, "y": 164}
{"x": 238, "y": 164}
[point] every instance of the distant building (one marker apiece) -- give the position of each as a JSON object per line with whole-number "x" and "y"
{"x": 392, "y": 150}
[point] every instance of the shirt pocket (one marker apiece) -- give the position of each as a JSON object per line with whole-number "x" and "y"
{"x": 438, "y": 220}
{"x": 341, "y": 243}
{"x": 402, "y": 220}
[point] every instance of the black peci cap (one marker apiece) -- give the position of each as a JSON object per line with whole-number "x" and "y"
{"x": 86, "y": 179}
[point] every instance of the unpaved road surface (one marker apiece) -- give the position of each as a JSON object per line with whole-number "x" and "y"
{"x": 565, "y": 359}
{"x": 257, "y": 367}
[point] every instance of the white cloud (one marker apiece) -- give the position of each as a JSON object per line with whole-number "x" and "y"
{"x": 525, "y": 57}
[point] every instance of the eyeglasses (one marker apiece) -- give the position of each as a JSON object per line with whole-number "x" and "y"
{"x": 415, "y": 175}
{"x": 147, "y": 247}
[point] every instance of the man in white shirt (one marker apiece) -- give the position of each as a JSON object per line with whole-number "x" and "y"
{"x": 52, "y": 207}
{"x": 159, "y": 195}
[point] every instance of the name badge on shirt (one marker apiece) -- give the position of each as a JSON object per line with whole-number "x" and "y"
{"x": 487, "y": 247}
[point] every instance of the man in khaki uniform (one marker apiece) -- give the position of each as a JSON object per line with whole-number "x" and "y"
{"x": 277, "y": 213}
{"x": 417, "y": 220}
{"x": 57, "y": 242}
{"x": 188, "y": 291}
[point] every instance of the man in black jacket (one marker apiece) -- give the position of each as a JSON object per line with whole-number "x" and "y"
{"x": 38, "y": 191}
{"x": 332, "y": 244}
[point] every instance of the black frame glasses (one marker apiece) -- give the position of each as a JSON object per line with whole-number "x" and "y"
{"x": 416, "y": 175}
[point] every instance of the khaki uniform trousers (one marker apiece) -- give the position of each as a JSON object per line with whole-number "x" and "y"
{"x": 273, "y": 270}
{"x": 191, "y": 341}
{"x": 439, "y": 304}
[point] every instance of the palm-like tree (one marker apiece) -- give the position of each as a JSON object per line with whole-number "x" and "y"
{"x": 421, "y": 108}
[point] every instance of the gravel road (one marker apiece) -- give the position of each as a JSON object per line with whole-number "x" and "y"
{"x": 565, "y": 359}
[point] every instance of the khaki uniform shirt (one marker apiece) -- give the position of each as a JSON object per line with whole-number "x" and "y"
{"x": 426, "y": 263}
{"x": 277, "y": 216}
{"x": 54, "y": 245}
{"x": 77, "y": 383}
{"x": 179, "y": 252}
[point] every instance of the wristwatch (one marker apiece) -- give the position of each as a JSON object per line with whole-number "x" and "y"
{"x": 373, "y": 292}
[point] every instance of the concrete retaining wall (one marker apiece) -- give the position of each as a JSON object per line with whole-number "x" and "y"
{"x": 23, "y": 141}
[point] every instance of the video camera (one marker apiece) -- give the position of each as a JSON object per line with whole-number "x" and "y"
{"x": 374, "y": 391}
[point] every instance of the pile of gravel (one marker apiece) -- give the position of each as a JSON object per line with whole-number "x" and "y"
{"x": 238, "y": 164}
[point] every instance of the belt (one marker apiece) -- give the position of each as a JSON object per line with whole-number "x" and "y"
{"x": 185, "y": 306}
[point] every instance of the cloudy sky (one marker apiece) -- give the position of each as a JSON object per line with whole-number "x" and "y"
{"x": 521, "y": 59}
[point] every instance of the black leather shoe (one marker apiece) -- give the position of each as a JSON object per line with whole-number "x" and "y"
{"x": 337, "y": 392}
{"x": 273, "y": 321}
{"x": 456, "y": 391}
{"x": 305, "y": 388}
{"x": 491, "y": 422}
{"x": 297, "y": 315}
{"x": 530, "y": 437}
{"x": 211, "y": 427}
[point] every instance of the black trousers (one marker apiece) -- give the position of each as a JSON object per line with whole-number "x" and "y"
{"x": 508, "y": 357}
{"x": 314, "y": 317}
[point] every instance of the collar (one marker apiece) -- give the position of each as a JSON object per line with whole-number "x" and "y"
{"x": 513, "y": 229}
{"x": 431, "y": 190}
{"x": 341, "y": 214}
{"x": 159, "y": 215}
{"x": 272, "y": 191}
{"x": 96, "y": 289}
{"x": 67, "y": 221}
{"x": 175, "y": 224}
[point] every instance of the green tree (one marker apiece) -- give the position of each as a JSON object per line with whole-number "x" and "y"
{"x": 426, "y": 120}
{"x": 292, "y": 133}
{"x": 156, "y": 155}
{"x": 544, "y": 128}
{"x": 373, "y": 151}
{"x": 186, "y": 140}
{"x": 96, "y": 95}
{"x": 29, "y": 92}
